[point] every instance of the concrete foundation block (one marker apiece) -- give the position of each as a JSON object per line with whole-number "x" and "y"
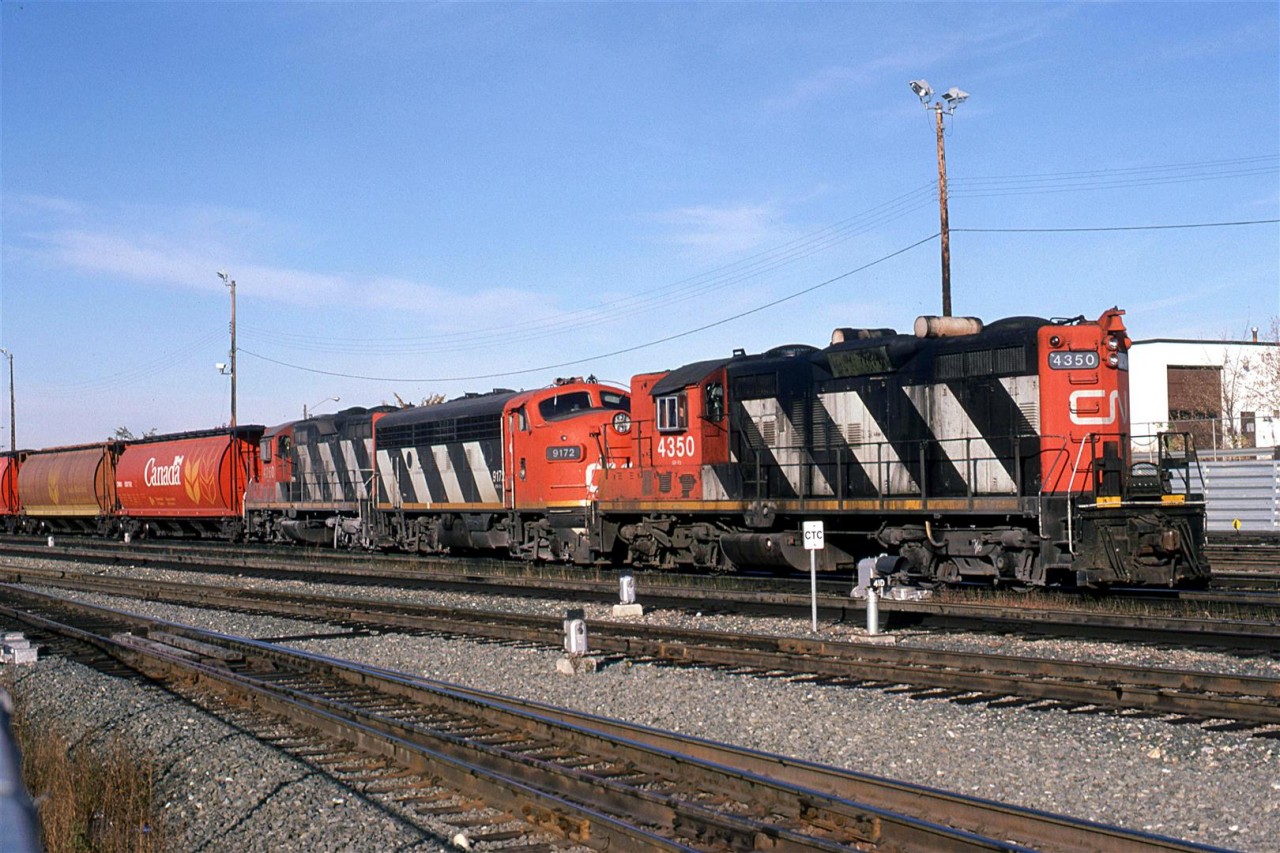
{"x": 24, "y": 655}
{"x": 576, "y": 664}
{"x": 874, "y": 639}
{"x": 628, "y": 611}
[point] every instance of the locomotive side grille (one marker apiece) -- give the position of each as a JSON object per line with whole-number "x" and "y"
{"x": 979, "y": 362}
{"x": 950, "y": 366}
{"x": 1031, "y": 411}
{"x": 799, "y": 432}
{"x": 769, "y": 431}
{"x": 853, "y": 434}
{"x": 982, "y": 362}
{"x": 470, "y": 428}
{"x": 818, "y": 422}
{"x": 1010, "y": 360}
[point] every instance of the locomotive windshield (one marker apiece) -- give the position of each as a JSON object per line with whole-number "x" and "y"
{"x": 564, "y": 404}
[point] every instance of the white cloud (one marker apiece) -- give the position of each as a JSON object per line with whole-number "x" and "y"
{"x": 183, "y": 248}
{"x": 716, "y": 232}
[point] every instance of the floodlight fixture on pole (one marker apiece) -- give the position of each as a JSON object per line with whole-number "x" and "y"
{"x": 313, "y": 405}
{"x": 923, "y": 90}
{"x": 951, "y": 99}
{"x": 13, "y": 417}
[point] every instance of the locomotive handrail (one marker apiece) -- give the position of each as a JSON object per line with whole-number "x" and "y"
{"x": 1075, "y": 470}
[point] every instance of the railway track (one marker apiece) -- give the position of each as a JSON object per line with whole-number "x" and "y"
{"x": 500, "y": 770}
{"x": 1259, "y": 557}
{"x": 960, "y": 676}
{"x": 1237, "y": 570}
{"x": 1248, "y": 623}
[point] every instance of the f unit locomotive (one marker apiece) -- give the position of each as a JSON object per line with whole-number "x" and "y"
{"x": 998, "y": 453}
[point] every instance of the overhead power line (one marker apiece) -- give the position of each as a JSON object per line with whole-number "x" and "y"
{"x": 170, "y": 360}
{"x": 698, "y": 287}
{"x": 682, "y": 291}
{"x": 1103, "y": 179}
{"x": 597, "y": 357}
{"x": 1117, "y": 227}
{"x": 755, "y": 310}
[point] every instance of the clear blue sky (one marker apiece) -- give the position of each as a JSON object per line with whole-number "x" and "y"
{"x": 424, "y": 193}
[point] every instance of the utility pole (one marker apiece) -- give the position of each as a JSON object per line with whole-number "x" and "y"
{"x": 231, "y": 283}
{"x": 13, "y": 415}
{"x": 953, "y": 98}
{"x": 942, "y": 215}
{"x": 232, "y": 443}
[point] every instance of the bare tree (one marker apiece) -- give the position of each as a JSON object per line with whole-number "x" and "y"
{"x": 430, "y": 400}
{"x": 1262, "y": 394}
{"x": 1250, "y": 379}
{"x": 123, "y": 433}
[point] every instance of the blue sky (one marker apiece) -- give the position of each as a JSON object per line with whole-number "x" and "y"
{"x": 417, "y": 199}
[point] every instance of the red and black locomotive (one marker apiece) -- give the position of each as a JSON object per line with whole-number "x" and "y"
{"x": 998, "y": 453}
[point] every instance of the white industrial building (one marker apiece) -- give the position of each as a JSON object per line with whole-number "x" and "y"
{"x": 1226, "y": 393}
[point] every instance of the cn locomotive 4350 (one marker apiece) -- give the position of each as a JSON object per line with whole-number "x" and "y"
{"x": 999, "y": 453}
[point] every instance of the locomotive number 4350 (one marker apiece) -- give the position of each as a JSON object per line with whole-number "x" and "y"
{"x": 676, "y": 446}
{"x": 1073, "y": 360}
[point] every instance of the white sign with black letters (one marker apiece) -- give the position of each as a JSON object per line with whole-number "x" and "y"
{"x": 813, "y": 536}
{"x": 813, "y": 543}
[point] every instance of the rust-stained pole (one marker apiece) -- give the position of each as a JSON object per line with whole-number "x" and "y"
{"x": 942, "y": 206}
{"x": 950, "y": 99}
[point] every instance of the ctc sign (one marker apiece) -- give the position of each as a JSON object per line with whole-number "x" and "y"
{"x": 813, "y": 536}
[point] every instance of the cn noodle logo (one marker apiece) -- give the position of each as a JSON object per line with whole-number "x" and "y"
{"x": 1078, "y": 407}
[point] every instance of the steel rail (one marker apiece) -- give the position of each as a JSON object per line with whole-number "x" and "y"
{"x": 660, "y": 590}
{"x": 411, "y": 744}
{"x": 800, "y": 798}
{"x": 1254, "y": 699}
{"x": 542, "y": 809}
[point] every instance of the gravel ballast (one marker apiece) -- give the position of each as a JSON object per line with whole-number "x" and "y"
{"x": 218, "y": 787}
{"x": 1189, "y": 780}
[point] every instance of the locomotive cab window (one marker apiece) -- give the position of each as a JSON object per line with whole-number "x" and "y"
{"x": 264, "y": 448}
{"x": 283, "y": 446}
{"x": 673, "y": 413}
{"x": 614, "y": 400}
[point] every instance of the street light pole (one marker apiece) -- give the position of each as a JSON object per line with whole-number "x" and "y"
{"x": 231, "y": 440}
{"x": 13, "y": 415}
{"x": 953, "y": 97}
{"x": 313, "y": 405}
{"x": 231, "y": 283}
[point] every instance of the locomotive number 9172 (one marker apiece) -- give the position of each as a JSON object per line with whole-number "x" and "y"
{"x": 1073, "y": 360}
